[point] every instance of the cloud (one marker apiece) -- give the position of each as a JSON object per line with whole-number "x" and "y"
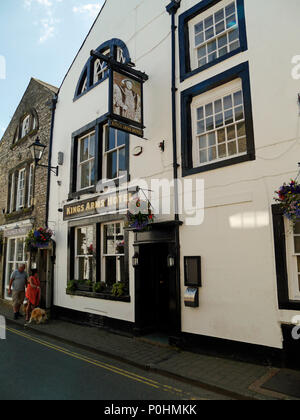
{"x": 90, "y": 9}
{"x": 48, "y": 22}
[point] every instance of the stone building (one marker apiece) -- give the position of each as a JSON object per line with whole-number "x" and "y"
{"x": 23, "y": 185}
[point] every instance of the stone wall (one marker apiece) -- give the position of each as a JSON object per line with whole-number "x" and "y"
{"x": 37, "y": 99}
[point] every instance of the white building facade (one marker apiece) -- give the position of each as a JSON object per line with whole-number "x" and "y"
{"x": 236, "y": 127}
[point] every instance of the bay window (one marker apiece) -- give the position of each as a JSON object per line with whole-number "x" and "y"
{"x": 293, "y": 254}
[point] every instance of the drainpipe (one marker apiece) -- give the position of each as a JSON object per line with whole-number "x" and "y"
{"x": 53, "y": 108}
{"x": 172, "y": 10}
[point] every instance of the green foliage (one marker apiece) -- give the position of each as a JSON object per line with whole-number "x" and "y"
{"x": 118, "y": 289}
{"x": 71, "y": 287}
{"x": 99, "y": 287}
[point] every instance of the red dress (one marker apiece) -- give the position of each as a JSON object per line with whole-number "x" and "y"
{"x": 33, "y": 295}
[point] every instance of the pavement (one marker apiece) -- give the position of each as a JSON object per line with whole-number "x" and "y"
{"x": 227, "y": 378}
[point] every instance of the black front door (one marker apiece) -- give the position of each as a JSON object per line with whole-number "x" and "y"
{"x": 154, "y": 288}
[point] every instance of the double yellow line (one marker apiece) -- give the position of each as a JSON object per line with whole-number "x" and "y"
{"x": 102, "y": 365}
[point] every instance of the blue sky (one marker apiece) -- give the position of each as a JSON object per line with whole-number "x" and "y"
{"x": 38, "y": 38}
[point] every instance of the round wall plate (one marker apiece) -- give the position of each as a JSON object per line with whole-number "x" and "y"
{"x": 137, "y": 151}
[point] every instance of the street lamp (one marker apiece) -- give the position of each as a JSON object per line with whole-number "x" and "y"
{"x": 37, "y": 150}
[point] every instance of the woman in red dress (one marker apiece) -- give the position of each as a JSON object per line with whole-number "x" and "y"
{"x": 33, "y": 293}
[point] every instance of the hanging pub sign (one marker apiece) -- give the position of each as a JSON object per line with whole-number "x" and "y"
{"x": 126, "y": 101}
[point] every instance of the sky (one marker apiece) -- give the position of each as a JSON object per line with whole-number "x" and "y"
{"x": 39, "y": 38}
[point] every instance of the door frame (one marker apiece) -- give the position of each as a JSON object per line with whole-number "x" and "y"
{"x": 167, "y": 233}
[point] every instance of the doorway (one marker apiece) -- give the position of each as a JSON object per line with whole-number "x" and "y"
{"x": 155, "y": 288}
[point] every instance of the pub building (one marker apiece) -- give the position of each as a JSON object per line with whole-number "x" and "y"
{"x": 180, "y": 90}
{"x": 24, "y": 189}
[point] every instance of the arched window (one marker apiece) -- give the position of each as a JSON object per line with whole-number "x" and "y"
{"x": 26, "y": 126}
{"x": 95, "y": 71}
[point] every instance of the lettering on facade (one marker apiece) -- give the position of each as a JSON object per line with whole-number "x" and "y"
{"x": 98, "y": 205}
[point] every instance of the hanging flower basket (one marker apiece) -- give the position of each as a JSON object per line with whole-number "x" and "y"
{"x": 288, "y": 196}
{"x": 140, "y": 215}
{"x": 38, "y": 239}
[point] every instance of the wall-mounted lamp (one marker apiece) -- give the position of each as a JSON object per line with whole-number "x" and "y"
{"x": 162, "y": 146}
{"x": 135, "y": 260}
{"x": 171, "y": 261}
{"x": 37, "y": 150}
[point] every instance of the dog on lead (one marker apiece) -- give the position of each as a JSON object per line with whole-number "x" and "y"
{"x": 38, "y": 316}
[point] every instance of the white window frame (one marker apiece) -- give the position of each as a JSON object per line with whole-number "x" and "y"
{"x": 201, "y": 101}
{"x": 77, "y": 257}
{"x": 101, "y": 68}
{"x": 292, "y": 264}
{"x": 26, "y": 125}
{"x": 91, "y": 161}
{"x": 30, "y": 185}
{"x": 117, "y": 149}
{"x": 12, "y": 193}
{"x": 21, "y": 189}
{"x": 201, "y": 18}
{"x": 115, "y": 255}
{"x": 13, "y": 261}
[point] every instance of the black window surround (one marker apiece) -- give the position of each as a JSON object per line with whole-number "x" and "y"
{"x": 87, "y": 74}
{"x": 284, "y": 302}
{"x": 97, "y": 126}
{"x": 97, "y": 222}
{"x": 184, "y": 38}
{"x": 239, "y": 72}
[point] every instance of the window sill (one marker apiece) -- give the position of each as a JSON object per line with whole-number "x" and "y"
{"x": 19, "y": 214}
{"x": 78, "y": 194}
{"x": 23, "y": 139}
{"x": 102, "y": 296}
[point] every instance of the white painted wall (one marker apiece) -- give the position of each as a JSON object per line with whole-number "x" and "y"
{"x": 238, "y": 300}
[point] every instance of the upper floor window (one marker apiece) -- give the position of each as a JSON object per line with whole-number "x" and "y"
{"x": 86, "y": 161}
{"x": 217, "y": 35}
{"x": 96, "y": 71}
{"x": 100, "y": 68}
{"x": 219, "y": 124}
{"x": 25, "y": 126}
{"x": 210, "y": 32}
{"x": 101, "y": 154}
{"x": 21, "y": 188}
{"x": 218, "y": 119}
{"x": 115, "y": 154}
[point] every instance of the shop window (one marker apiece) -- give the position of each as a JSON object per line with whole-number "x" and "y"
{"x": 86, "y": 161}
{"x": 113, "y": 254}
{"x": 84, "y": 253}
{"x": 293, "y": 257}
{"x": 16, "y": 254}
{"x": 210, "y": 32}
{"x": 217, "y": 116}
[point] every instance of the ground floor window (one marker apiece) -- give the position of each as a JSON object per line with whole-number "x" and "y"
{"x": 113, "y": 256}
{"x": 293, "y": 253}
{"x": 16, "y": 255}
{"x": 85, "y": 242}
